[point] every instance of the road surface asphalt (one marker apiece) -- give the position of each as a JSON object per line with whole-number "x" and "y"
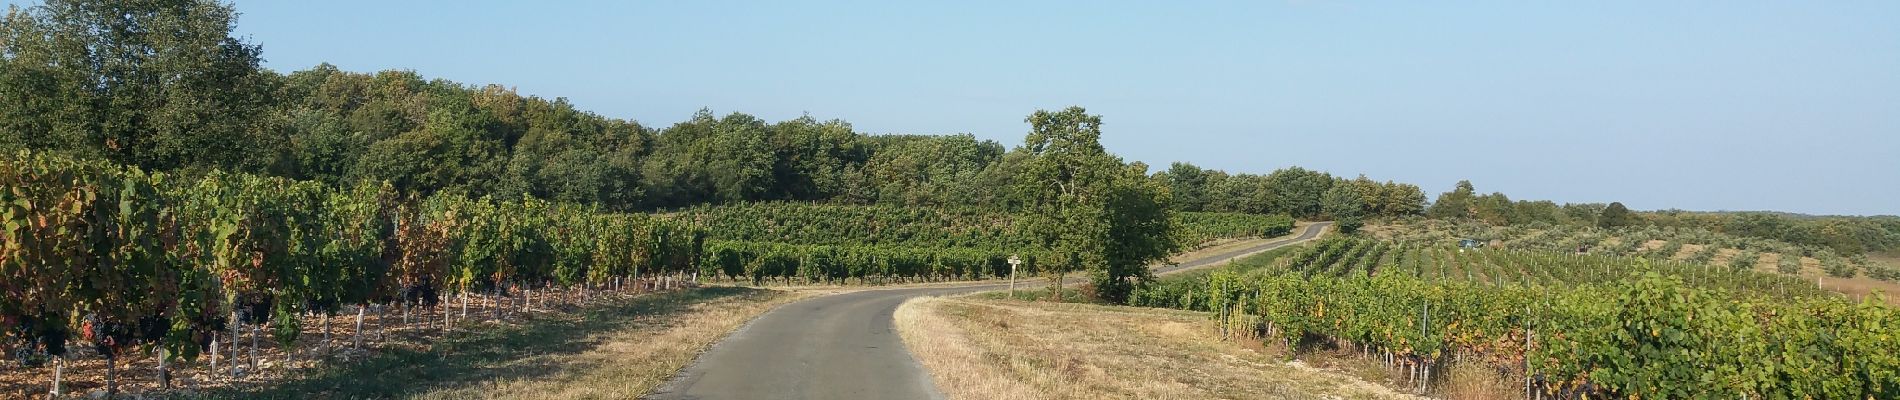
{"x": 843, "y": 346}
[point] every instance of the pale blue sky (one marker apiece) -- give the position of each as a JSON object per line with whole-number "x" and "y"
{"x": 1731, "y": 105}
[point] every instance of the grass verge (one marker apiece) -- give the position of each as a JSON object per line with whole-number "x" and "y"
{"x": 621, "y": 349}
{"x": 979, "y": 348}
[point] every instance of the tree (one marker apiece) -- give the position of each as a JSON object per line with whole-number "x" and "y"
{"x": 1346, "y": 206}
{"x": 1584, "y": 214}
{"x": 158, "y": 84}
{"x": 1401, "y": 199}
{"x": 727, "y": 159}
{"x": 810, "y": 158}
{"x": 1086, "y": 210}
{"x": 1494, "y": 208}
{"x": 919, "y": 170}
{"x": 1242, "y": 193}
{"x": 1544, "y": 211}
{"x": 1297, "y": 191}
{"x": 1616, "y": 215}
{"x": 1456, "y": 203}
{"x": 1188, "y": 185}
{"x": 1140, "y": 232}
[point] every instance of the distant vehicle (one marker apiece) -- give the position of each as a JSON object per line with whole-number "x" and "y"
{"x": 1470, "y": 243}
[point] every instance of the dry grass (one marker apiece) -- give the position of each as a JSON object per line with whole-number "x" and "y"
{"x": 617, "y": 346}
{"x": 1475, "y": 382}
{"x": 1688, "y": 250}
{"x": 1653, "y": 244}
{"x": 1889, "y": 259}
{"x": 1722, "y": 256}
{"x": 1857, "y": 288}
{"x": 1004, "y": 349}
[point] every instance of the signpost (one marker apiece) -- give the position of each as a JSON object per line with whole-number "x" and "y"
{"x": 1013, "y": 262}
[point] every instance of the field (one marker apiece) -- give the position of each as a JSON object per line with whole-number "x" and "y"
{"x": 1854, "y": 276}
{"x": 1558, "y": 320}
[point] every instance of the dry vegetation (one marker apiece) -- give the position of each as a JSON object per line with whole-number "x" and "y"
{"x": 1003, "y": 349}
{"x": 613, "y": 345}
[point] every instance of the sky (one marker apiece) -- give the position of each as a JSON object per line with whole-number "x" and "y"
{"x": 1731, "y": 105}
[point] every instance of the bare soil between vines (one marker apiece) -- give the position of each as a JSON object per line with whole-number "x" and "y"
{"x": 422, "y": 359}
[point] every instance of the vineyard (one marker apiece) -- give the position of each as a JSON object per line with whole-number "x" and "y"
{"x": 127, "y": 261}
{"x": 1660, "y": 243}
{"x": 814, "y": 243}
{"x": 1575, "y": 325}
{"x": 175, "y": 268}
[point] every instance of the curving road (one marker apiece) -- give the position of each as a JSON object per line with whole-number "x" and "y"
{"x": 842, "y": 346}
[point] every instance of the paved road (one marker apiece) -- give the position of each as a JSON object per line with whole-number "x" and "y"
{"x": 841, "y": 347}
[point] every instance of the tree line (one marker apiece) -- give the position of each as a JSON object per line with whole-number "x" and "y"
{"x": 1842, "y": 234}
{"x": 1294, "y": 191}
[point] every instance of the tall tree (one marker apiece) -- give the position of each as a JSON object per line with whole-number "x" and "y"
{"x": 1616, "y": 215}
{"x": 1401, "y": 199}
{"x": 1494, "y": 208}
{"x": 920, "y": 170}
{"x": 1347, "y": 206}
{"x": 1584, "y": 214}
{"x": 1456, "y": 203}
{"x": 1297, "y": 191}
{"x": 1188, "y": 185}
{"x": 1086, "y": 210}
{"x": 1243, "y": 193}
{"x": 160, "y": 84}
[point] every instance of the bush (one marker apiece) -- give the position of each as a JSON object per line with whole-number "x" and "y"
{"x": 1790, "y": 264}
{"x": 1883, "y": 272}
{"x": 1838, "y": 268}
{"x": 1744, "y": 260}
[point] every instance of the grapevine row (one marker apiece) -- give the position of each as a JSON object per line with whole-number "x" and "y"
{"x": 129, "y": 260}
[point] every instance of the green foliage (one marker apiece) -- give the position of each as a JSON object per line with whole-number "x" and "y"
{"x": 1298, "y": 191}
{"x": 157, "y": 84}
{"x": 834, "y": 224}
{"x": 1616, "y": 215}
{"x": 1838, "y": 267}
{"x": 1883, "y": 272}
{"x": 127, "y": 248}
{"x": 832, "y": 243}
{"x": 1085, "y": 210}
{"x": 1347, "y": 206}
{"x": 1189, "y": 290}
{"x": 1602, "y": 327}
{"x": 1192, "y": 228}
{"x": 916, "y": 170}
{"x": 1790, "y": 264}
{"x": 1188, "y": 186}
{"x": 1745, "y": 260}
{"x": 1457, "y": 203}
